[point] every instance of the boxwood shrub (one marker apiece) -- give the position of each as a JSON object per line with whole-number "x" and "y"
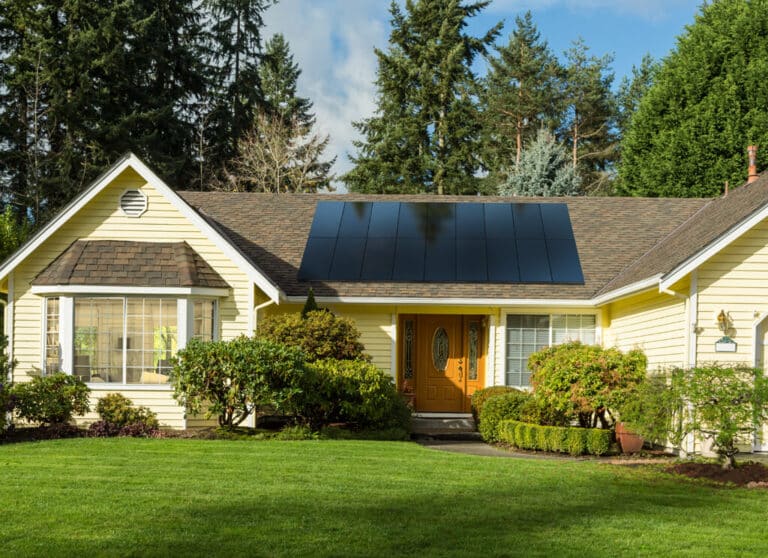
{"x": 479, "y": 398}
{"x": 562, "y": 439}
{"x": 501, "y": 407}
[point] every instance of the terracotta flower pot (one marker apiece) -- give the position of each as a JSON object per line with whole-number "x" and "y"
{"x": 628, "y": 440}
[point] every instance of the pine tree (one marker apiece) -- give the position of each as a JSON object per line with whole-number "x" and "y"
{"x": 88, "y": 81}
{"x": 425, "y": 134}
{"x": 235, "y": 94}
{"x": 522, "y": 95}
{"x": 707, "y": 103}
{"x": 544, "y": 169}
{"x": 279, "y": 76}
{"x": 588, "y": 128}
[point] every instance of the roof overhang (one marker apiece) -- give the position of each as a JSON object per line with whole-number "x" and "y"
{"x": 648, "y": 284}
{"x": 130, "y": 160}
{"x": 423, "y": 301}
{"x": 711, "y": 249}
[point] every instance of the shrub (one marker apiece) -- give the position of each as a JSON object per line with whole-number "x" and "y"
{"x": 563, "y": 439}
{"x": 576, "y": 441}
{"x": 352, "y": 391}
{"x": 536, "y": 411}
{"x": 320, "y": 334}
{"x": 479, "y": 398}
{"x": 232, "y": 378}
{"x": 578, "y": 380}
{"x": 120, "y": 418}
{"x": 598, "y": 441}
{"x": 296, "y": 432}
{"x": 51, "y": 399}
{"x": 118, "y": 410}
{"x": 499, "y": 408}
{"x": 7, "y": 404}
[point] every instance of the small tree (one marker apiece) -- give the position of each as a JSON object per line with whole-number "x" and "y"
{"x": 726, "y": 404}
{"x": 319, "y": 333}
{"x": 230, "y": 379}
{"x": 579, "y": 380}
{"x": 310, "y": 305}
{"x": 543, "y": 170}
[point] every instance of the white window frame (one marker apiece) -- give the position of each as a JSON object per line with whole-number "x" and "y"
{"x": 184, "y": 329}
{"x": 524, "y": 312}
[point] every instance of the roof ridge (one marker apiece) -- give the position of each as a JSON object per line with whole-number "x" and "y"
{"x": 607, "y": 286}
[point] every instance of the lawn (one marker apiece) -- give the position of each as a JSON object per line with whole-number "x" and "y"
{"x": 176, "y": 497}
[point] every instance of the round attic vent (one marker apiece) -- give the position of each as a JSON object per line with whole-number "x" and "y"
{"x": 133, "y": 203}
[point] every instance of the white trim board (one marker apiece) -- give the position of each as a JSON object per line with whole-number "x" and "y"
{"x": 128, "y": 290}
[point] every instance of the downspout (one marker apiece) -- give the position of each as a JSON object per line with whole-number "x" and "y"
{"x": 256, "y": 313}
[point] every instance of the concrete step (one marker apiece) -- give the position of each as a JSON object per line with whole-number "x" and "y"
{"x": 444, "y": 428}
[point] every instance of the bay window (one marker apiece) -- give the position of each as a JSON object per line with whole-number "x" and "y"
{"x": 123, "y": 339}
{"x": 528, "y": 333}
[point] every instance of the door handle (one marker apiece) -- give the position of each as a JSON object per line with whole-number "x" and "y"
{"x": 461, "y": 369}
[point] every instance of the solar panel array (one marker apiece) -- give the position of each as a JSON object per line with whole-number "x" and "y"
{"x": 441, "y": 242}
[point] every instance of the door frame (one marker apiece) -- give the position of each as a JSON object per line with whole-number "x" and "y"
{"x": 409, "y": 346}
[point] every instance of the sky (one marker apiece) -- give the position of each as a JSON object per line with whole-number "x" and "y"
{"x": 333, "y": 40}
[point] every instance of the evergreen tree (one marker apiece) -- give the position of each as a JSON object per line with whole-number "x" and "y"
{"x": 708, "y": 102}
{"x": 87, "y": 81}
{"x": 588, "y": 128}
{"x": 425, "y": 134}
{"x": 235, "y": 53}
{"x": 631, "y": 92}
{"x": 279, "y": 75}
{"x": 522, "y": 94}
{"x": 544, "y": 169}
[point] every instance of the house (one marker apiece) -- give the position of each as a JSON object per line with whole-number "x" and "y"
{"x": 450, "y": 294}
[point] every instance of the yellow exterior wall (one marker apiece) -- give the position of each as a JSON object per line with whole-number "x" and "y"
{"x": 736, "y": 281}
{"x": 101, "y": 219}
{"x": 654, "y": 322}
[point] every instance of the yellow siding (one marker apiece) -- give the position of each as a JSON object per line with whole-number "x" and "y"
{"x": 736, "y": 281}
{"x": 653, "y": 322}
{"x": 102, "y": 219}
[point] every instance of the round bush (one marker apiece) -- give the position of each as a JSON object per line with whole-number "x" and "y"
{"x": 479, "y": 398}
{"x": 117, "y": 410}
{"x": 53, "y": 399}
{"x": 499, "y": 408}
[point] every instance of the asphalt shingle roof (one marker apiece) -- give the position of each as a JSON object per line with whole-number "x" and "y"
{"x": 127, "y": 263}
{"x": 612, "y": 236}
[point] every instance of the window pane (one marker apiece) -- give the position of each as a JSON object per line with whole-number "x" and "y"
{"x": 525, "y": 334}
{"x": 151, "y": 341}
{"x": 52, "y": 347}
{"x": 98, "y": 339}
{"x": 203, "y": 316}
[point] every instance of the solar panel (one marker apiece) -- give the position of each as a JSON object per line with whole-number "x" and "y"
{"x": 441, "y": 242}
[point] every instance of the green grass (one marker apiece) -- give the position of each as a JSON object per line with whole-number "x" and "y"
{"x": 129, "y": 497}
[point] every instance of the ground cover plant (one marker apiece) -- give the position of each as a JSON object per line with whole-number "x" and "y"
{"x": 145, "y": 497}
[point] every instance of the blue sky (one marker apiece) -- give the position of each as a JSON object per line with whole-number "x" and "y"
{"x": 333, "y": 41}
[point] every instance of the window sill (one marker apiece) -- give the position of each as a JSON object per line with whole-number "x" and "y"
{"x": 107, "y": 386}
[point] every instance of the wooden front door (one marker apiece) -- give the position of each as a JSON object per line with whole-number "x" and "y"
{"x": 444, "y": 361}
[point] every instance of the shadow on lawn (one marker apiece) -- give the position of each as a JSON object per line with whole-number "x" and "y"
{"x": 584, "y": 515}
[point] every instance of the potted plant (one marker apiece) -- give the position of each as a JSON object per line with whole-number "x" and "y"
{"x": 408, "y": 394}
{"x": 629, "y": 408}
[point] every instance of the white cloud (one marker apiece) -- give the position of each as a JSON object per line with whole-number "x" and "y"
{"x": 332, "y": 42}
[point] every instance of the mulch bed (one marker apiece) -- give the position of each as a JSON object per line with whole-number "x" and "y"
{"x": 749, "y": 473}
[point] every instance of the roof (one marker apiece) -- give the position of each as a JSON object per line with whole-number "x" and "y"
{"x": 125, "y": 263}
{"x": 611, "y": 235}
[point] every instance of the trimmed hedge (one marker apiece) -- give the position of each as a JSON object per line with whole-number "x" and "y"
{"x": 562, "y": 439}
{"x": 499, "y": 408}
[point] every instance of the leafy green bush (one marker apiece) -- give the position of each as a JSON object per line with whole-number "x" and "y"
{"x": 725, "y": 404}
{"x": 230, "y": 379}
{"x": 479, "y": 398}
{"x": 576, "y": 441}
{"x": 496, "y": 409}
{"x": 598, "y": 441}
{"x": 296, "y": 432}
{"x": 352, "y": 391}
{"x": 320, "y": 334}
{"x": 53, "y": 399}
{"x": 557, "y": 437}
{"x": 578, "y": 380}
{"x": 120, "y": 418}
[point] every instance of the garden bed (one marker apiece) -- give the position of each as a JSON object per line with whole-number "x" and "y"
{"x": 744, "y": 474}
